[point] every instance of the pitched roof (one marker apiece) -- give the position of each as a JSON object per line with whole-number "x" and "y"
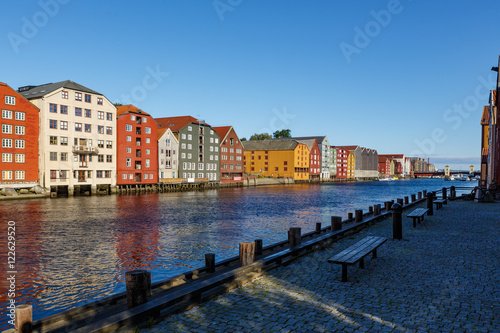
{"x": 176, "y": 123}
{"x": 350, "y": 148}
{"x": 31, "y": 92}
{"x": 319, "y": 139}
{"x": 382, "y": 159}
{"x": 391, "y": 155}
{"x": 485, "y": 119}
{"x": 21, "y": 96}
{"x": 222, "y": 131}
{"x": 308, "y": 142}
{"x": 129, "y": 108}
{"x": 270, "y": 144}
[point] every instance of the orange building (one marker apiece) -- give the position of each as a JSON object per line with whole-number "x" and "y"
{"x": 137, "y": 147}
{"x": 351, "y": 162}
{"x": 20, "y": 130}
{"x": 277, "y": 158}
{"x": 231, "y": 155}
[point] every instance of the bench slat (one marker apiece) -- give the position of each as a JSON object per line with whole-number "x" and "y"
{"x": 418, "y": 212}
{"x": 357, "y": 251}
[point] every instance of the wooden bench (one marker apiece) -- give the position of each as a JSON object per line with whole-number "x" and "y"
{"x": 356, "y": 253}
{"x": 417, "y": 215}
{"x": 439, "y": 203}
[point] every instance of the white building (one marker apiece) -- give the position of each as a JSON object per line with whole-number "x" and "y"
{"x": 77, "y": 143}
{"x": 168, "y": 154}
{"x": 324, "y": 147}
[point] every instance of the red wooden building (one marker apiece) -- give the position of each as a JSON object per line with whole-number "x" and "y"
{"x": 384, "y": 166}
{"x": 342, "y": 155}
{"x": 314, "y": 158}
{"x": 137, "y": 147}
{"x": 231, "y": 155}
{"x": 20, "y": 130}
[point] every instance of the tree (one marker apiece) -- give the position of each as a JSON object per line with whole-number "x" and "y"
{"x": 243, "y": 139}
{"x": 261, "y": 136}
{"x": 117, "y": 104}
{"x": 284, "y": 133}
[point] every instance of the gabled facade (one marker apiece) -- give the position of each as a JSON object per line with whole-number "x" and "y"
{"x": 168, "y": 154}
{"x": 342, "y": 162}
{"x": 198, "y": 147}
{"x": 231, "y": 155}
{"x": 384, "y": 166}
{"x": 314, "y": 158}
{"x": 77, "y": 137}
{"x": 351, "y": 165}
{"x": 137, "y": 147}
{"x": 333, "y": 164}
{"x": 277, "y": 158}
{"x": 398, "y": 168}
{"x": 485, "y": 128}
{"x": 365, "y": 162}
{"x": 324, "y": 147}
{"x": 20, "y": 131}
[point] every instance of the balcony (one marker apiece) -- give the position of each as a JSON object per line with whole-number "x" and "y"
{"x": 85, "y": 150}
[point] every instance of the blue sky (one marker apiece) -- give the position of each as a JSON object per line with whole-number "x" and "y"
{"x": 399, "y": 76}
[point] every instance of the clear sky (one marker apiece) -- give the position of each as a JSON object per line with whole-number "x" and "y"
{"x": 399, "y": 76}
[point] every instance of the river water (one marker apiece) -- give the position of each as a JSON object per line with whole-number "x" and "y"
{"x": 71, "y": 251}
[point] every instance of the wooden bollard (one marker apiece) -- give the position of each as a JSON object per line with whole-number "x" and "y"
{"x": 247, "y": 253}
{"x": 294, "y": 237}
{"x": 370, "y": 209}
{"x": 359, "y": 215}
{"x": 413, "y": 198}
{"x": 318, "y": 227}
{"x": 258, "y": 247}
{"x": 376, "y": 210}
{"x": 453, "y": 192}
{"x": 397, "y": 225}
{"x": 400, "y": 201}
{"x": 419, "y": 195}
{"x": 445, "y": 195}
{"x": 388, "y": 205}
{"x": 138, "y": 284}
{"x": 424, "y": 193}
{"x": 430, "y": 209}
{"x": 24, "y": 318}
{"x": 407, "y": 201}
{"x": 349, "y": 216}
{"x": 336, "y": 223}
{"x": 210, "y": 262}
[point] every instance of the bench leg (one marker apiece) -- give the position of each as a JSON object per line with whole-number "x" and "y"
{"x": 374, "y": 254}
{"x": 344, "y": 273}
{"x": 362, "y": 263}
{"x": 415, "y": 222}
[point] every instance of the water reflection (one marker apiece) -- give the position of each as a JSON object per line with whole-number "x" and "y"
{"x": 75, "y": 250}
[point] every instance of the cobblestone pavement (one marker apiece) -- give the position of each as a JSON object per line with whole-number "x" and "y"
{"x": 443, "y": 277}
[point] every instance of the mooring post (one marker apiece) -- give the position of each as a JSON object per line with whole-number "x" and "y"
{"x": 370, "y": 209}
{"x": 419, "y": 195}
{"x": 388, "y": 205}
{"x": 424, "y": 193}
{"x": 294, "y": 237}
{"x": 429, "y": 204}
{"x": 400, "y": 201}
{"x": 210, "y": 262}
{"x": 359, "y": 215}
{"x": 24, "y": 318}
{"x": 407, "y": 201}
{"x": 258, "y": 247}
{"x": 247, "y": 253}
{"x": 138, "y": 285}
{"x": 445, "y": 195}
{"x": 397, "y": 224}
{"x": 453, "y": 193}
{"x": 413, "y": 198}
{"x": 336, "y": 223}
{"x": 376, "y": 210}
{"x": 318, "y": 227}
{"x": 349, "y": 216}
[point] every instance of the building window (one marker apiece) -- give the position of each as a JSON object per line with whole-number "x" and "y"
{"x": 6, "y": 157}
{"x": 109, "y": 144}
{"x": 6, "y": 114}
{"x": 88, "y": 113}
{"x": 20, "y": 158}
{"x": 53, "y": 108}
{"x": 53, "y": 123}
{"x": 147, "y": 163}
{"x": 100, "y": 115}
{"x": 100, "y": 129}
{"x": 53, "y": 140}
{"x": 128, "y": 127}
{"x": 88, "y": 98}
{"x": 53, "y": 156}
{"x": 148, "y": 151}
{"x": 129, "y": 162}
{"x": 100, "y": 158}
{"x": 6, "y": 143}
{"x": 64, "y": 141}
{"x": 10, "y": 100}
{"x": 20, "y": 144}
{"x": 147, "y": 130}
{"x": 99, "y": 174}
{"x": 6, "y": 175}
{"x": 129, "y": 138}
{"x": 63, "y": 109}
{"x": 100, "y": 143}
{"x": 78, "y": 96}
{"x": 99, "y": 100}
{"x": 148, "y": 140}
{"x": 109, "y": 130}
{"x": 109, "y": 116}
{"x": 64, "y": 156}
{"x": 6, "y": 129}
{"x": 129, "y": 150}
{"x": 88, "y": 128}
{"x": 78, "y": 112}
{"x": 109, "y": 158}
{"x": 78, "y": 127}
{"x": 63, "y": 125}
{"x": 64, "y": 94}
{"x": 20, "y": 115}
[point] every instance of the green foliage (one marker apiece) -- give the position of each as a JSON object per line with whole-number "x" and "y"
{"x": 117, "y": 104}
{"x": 284, "y": 133}
{"x": 243, "y": 139}
{"x": 261, "y": 136}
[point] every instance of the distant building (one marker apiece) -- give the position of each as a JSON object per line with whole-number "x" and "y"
{"x": 324, "y": 147}
{"x": 485, "y": 134}
{"x": 314, "y": 158}
{"x": 384, "y": 166}
{"x": 168, "y": 154}
{"x": 231, "y": 155}
{"x": 365, "y": 162}
{"x": 342, "y": 162}
{"x": 333, "y": 162}
{"x": 277, "y": 158}
{"x": 137, "y": 147}
{"x": 20, "y": 131}
{"x": 77, "y": 137}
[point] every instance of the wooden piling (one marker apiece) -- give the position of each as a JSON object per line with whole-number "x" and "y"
{"x": 349, "y": 216}
{"x": 400, "y": 201}
{"x": 359, "y": 215}
{"x": 247, "y": 253}
{"x": 24, "y": 318}
{"x": 413, "y": 198}
{"x": 258, "y": 247}
{"x": 210, "y": 262}
{"x": 294, "y": 237}
{"x": 336, "y": 223}
{"x": 318, "y": 227}
{"x": 407, "y": 201}
{"x": 138, "y": 285}
{"x": 419, "y": 195}
{"x": 370, "y": 209}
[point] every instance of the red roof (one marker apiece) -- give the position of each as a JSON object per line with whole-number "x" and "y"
{"x": 131, "y": 109}
{"x": 391, "y": 155}
{"x": 382, "y": 159}
{"x": 222, "y": 131}
{"x": 350, "y": 148}
{"x": 175, "y": 123}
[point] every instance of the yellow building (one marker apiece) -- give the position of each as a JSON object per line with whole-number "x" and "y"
{"x": 277, "y": 158}
{"x": 350, "y": 165}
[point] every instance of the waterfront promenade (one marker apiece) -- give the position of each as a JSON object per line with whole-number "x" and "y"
{"x": 443, "y": 277}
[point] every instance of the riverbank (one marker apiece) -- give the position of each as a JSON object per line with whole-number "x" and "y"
{"x": 442, "y": 277}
